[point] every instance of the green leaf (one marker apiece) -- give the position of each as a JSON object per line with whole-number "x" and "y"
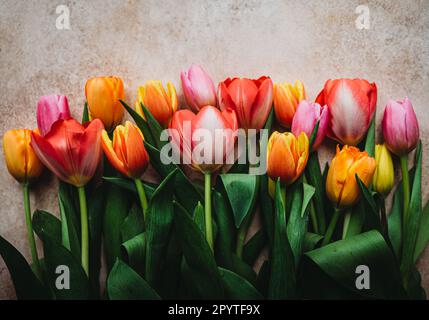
{"x": 308, "y": 193}
{"x": 117, "y": 207}
{"x": 199, "y": 217}
{"x": 340, "y": 259}
{"x": 154, "y": 127}
{"x": 46, "y": 224}
{"x": 311, "y": 241}
{"x": 142, "y": 124}
{"x": 124, "y": 283}
{"x": 315, "y": 179}
{"x": 254, "y": 246}
{"x": 133, "y": 224}
{"x": 186, "y": 192}
{"x": 411, "y": 227}
{"x": 282, "y": 281}
{"x": 155, "y": 160}
{"x": 27, "y": 286}
{"x": 225, "y": 241}
{"x": 129, "y": 185}
{"x": 158, "y": 226}
{"x": 263, "y": 278}
{"x": 238, "y": 288}
{"x": 357, "y": 219}
{"x": 198, "y": 255}
{"x": 85, "y": 114}
{"x": 266, "y": 207}
{"x": 314, "y": 134}
{"x": 370, "y": 138}
{"x": 243, "y": 269}
{"x": 372, "y": 219}
{"x": 133, "y": 252}
{"x": 241, "y": 190}
{"x": 423, "y": 235}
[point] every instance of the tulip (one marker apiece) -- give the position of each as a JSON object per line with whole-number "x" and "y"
{"x": 251, "y": 100}
{"x": 341, "y": 184}
{"x": 198, "y": 88}
{"x": 21, "y": 160}
{"x": 286, "y": 100}
{"x": 72, "y": 152}
{"x": 351, "y": 104}
{"x": 128, "y": 155}
{"x": 50, "y": 109}
{"x": 24, "y": 166}
{"x": 103, "y": 95}
{"x": 401, "y": 135}
{"x": 204, "y": 129}
{"x": 306, "y": 117}
{"x": 161, "y": 104}
{"x": 400, "y": 127}
{"x": 384, "y": 177}
{"x": 287, "y": 156}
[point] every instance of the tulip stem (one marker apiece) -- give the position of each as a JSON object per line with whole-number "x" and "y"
{"x": 30, "y": 233}
{"x": 331, "y": 227}
{"x": 406, "y": 187}
{"x": 346, "y": 224}
{"x": 84, "y": 229}
{"x": 142, "y": 197}
{"x": 383, "y": 217}
{"x": 208, "y": 208}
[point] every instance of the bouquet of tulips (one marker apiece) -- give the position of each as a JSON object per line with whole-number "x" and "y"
{"x": 224, "y": 198}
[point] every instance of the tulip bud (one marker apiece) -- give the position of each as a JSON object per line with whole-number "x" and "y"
{"x": 351, "y": 104}
{"x": 341, "y": 185}
{"x": 286, "y": 100}
{"x": 103, "y": 95}
{"x": 198, "y": 88}
{"x": 21, "y": 160}
{"x": 161, "y": 104}
{"x": 127, "y": 152}
{"x": 250, "y": 99}
{"x": 287, "y": 156}
{"x": 50, "y": 109}
{"x": 384, "y": 173}
{"x": 306, "y": 117}
{"x": 400, "y": 127}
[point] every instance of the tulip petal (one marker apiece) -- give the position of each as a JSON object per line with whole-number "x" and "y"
{"x": 262, "y": 105}
{"x": 111, "y": 154}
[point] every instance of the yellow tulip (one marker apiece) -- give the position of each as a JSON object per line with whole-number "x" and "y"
{"x": 103, "y": 95}
{"x": 161, "y": 104}
{"x": 286, "y": 100}
{"x": 384, "y": 176}
{"x": 341, "y": 185}
{"x": 287, "y": 156}
{"x": 21, "y": 160}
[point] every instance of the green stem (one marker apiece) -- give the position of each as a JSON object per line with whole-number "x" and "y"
{"x": 142, "y": 197}
{"x": 406, "y": 187}
{"x": 314, "y": 218}
{"x": 383, "y": 217}
{"x": 208, "y": 208}
{"x": 30, "y": 233}
{"x": 347, "y": 218}
{"x": 331, "y": 227}
{"x": 84, "y": 229}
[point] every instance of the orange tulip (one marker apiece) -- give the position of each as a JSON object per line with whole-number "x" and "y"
{"x": 127, "y": 152}
{"x": 21, "y": 160}
{"x": 287, "y": 156}
{"x": 161, "y": 104}
{"x": 103, "y": 95}
{"x": 341, "y": 185}
{"x": 286, "y": 100}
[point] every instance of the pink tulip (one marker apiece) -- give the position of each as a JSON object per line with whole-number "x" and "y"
{"x": 305, "y": 119}
{"x": 351, "y": 104}
{"x": 400, "y": 127}
{"x": 251, "y": 100}
{"x": 50, "y": 109}
{"x": 189, "y": 131}
{"x": 198, "y": 88}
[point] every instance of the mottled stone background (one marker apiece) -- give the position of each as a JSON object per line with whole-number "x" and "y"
{"x": 142, "y": 40}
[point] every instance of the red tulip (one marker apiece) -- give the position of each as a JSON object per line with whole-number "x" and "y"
{"x": 50, "y": 109}
{"x": 305, "y": 119}
{"x": 400, "y": 127}
{"x": 351, "y": 104}
{"x": 190, "y": 132}
{"x": 252, "y": 100}
{"x": 70, "y": 150}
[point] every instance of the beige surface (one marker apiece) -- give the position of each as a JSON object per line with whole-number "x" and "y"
{"x": 142, "y": 40}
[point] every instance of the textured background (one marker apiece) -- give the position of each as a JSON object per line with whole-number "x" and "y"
{"x": 142, "y": 40}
